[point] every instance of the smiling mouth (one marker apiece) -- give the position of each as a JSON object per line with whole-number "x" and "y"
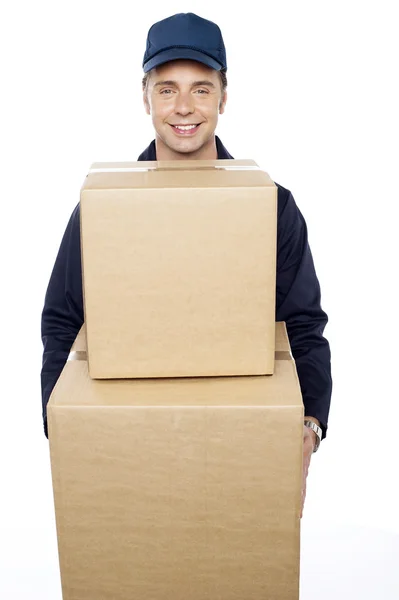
{"x": 185, "y": 129}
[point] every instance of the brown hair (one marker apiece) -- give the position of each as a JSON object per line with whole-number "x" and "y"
{"x": 222, "y": 75}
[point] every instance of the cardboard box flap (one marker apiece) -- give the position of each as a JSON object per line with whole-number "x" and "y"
{"x": 188, "y": 165}
{"x": 162, "y": 174}
{"x": 279, "y": 390}
{"x": 80, "y": 340}
{"x": 281, "y": 336}
{"x": 282, "y": 343}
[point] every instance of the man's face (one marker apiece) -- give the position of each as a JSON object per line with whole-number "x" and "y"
{"x": 184, "y": 98}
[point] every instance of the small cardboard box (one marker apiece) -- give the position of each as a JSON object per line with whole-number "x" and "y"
{"x": 179, "y": 268}
{"x": 178, "y": 488}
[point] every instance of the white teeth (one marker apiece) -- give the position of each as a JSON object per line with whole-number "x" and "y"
{"x": 184, "y": 127}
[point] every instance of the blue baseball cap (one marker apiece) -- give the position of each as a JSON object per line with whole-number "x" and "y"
{"x": 185, "y": 36}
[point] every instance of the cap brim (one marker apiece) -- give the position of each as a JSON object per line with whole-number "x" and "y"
{"x": 178, "y": 54}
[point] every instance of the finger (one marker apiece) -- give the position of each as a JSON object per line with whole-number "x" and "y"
{"x": 303, "y": 499}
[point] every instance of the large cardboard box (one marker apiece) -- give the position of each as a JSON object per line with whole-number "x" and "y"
{"x": 178, "y": 488}
{"x": 179, "y": 268}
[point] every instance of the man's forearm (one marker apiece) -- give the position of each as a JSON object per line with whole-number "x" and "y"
{"x": 298, "y": 303}
{"x": 63, "y": 313}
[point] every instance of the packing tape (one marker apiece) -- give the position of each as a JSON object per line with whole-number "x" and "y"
{"x": 82, "y": 355}
{"x": 282, "y": 355}
{"x": 77, "y": 355}
{"x": 145, "y": 169}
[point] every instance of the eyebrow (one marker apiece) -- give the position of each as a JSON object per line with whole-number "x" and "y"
{"x": 204, "y": 82}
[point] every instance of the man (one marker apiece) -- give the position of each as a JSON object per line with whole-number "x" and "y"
{"x": 184, "y": 90}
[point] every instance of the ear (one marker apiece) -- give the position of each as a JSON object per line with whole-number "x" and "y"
{"x": 222, "y": 104}
{"x": 146, "y": 103}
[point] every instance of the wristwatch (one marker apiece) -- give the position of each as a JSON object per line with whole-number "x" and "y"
{"x": 317, "y": 431}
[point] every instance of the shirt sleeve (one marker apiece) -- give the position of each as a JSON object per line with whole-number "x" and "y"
{"x": 62, "y": 315}
{"x": 298, "y": 303}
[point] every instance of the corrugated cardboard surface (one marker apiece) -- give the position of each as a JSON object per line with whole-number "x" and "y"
{"x": 179, "y": 269}
{"x": 178, "y": 488}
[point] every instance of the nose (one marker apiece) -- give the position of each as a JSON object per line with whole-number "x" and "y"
{"x": 184, "y": 103}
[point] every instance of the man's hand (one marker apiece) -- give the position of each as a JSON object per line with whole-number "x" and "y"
{"x": 309, "y": 442}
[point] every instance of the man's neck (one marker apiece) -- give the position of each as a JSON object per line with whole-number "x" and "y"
{"x": 206, "y": 152}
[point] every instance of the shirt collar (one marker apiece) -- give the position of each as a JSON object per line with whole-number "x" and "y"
{"x": 151, "y": 154}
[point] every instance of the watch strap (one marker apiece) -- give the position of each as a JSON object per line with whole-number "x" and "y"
{"x": 317, "y": 430}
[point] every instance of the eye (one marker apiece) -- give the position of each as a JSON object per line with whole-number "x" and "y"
{"x": 166, "y": 92}
{"x": 202, "y": 91}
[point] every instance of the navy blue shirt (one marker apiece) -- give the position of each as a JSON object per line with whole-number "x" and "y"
{"x": 298, "y": 303}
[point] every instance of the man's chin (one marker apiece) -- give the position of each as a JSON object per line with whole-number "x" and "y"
{"x": 185, "y": 147}
{"x": 182, "y": 149}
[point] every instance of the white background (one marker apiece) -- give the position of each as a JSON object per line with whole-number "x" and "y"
{"x": 313, "y": 98}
